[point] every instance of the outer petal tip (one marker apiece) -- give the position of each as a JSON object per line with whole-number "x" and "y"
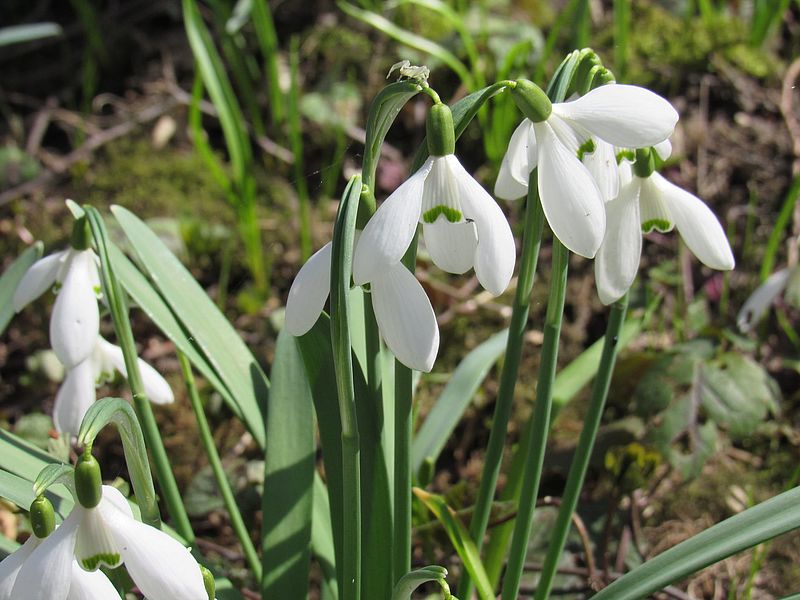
{"x": 308, "y": 292}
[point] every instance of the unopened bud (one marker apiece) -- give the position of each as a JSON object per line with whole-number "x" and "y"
{"x": 439, "y": 130}
{"x": 88, "y": 481}
{"x": 208, "y": 581}
{"x": 81, "y": 237}
{"x": 531, "y": 100}
{"x": 645, "y": 163}
{"x": 43, "y": 517}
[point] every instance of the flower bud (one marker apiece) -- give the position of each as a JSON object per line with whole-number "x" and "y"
{"x": 81, "y": 237}
{"x": 645, "y": 163}
{"x": 43, "y": 518}
{"x": 208, "y": 581}
{"x": 88, "y": 481}
{"x": 439, "y": 130}
{"x": 531, "y": 100}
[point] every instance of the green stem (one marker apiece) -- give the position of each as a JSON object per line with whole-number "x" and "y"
{"x": 122, "y": 327}
{"x": 206, "y": 438}
{"x": 583, "y": 452}
{"x": 540, "y": 420}
{"x": 531, "y": 242}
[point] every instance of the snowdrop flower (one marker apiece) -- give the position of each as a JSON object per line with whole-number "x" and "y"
{"x": 77, "y": 392}
{"x": 648, "y": 202}
{"x": 549, "y": 139}
{"x": 760, "y": 300}
{"x": 76, "y": 318}
{"x": 404, "y": 314}
{"x": 80, "y": 584}
{"x": 463, "y": 227}
{"x": 106, "y": 533}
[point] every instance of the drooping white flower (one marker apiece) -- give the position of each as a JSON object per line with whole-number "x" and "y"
{"x": 620, "y": 115}
{"x": 761, "y": 299}
{"x": 109, "y": 535}
{"x": 403, "y": 312}
{"x": 463, "y": 227}
{"x": 75, "y": 320}
{"x": 77, "y": 391}
{"x": 652, "y": 203}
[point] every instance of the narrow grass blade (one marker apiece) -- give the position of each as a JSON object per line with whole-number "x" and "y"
{"x": 289, "y": 476}
{"x": 18, "y": 34}
{"x": 11, "y": 278}
{"x": 453, "y": 401}
{"x": 461, "y": 540}
{"x": 767, "y": 520}
{"x": 268, "y": 40}
{"x": 296, "y": 139}
{"x": 768, "y": 263}
{"x": 204, "y": 323}
{"x": 411, "y": 40}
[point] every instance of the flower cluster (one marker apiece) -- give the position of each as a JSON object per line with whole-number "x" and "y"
{"x": 75, "y": 330}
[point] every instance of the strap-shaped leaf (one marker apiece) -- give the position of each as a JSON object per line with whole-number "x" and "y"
{"x": 322, "y": 544}
{"x": 19, "y": 490}
{"x": 755, "y": 525}
{"x": 11, "y": 278}
{"x": 219, "y": 343}
{"x": 289, "y": 476}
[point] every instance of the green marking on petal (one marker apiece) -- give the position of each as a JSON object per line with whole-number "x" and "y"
{"x": 661, "y": 225}
{"x": 629, "y": 155}
{"x": 451, "y": 214}
{"x": 98, "y": 291}
{"x": 109, "y": 559}
{"x": 586, "y": 147}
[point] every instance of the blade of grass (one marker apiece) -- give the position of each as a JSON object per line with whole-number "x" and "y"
{"x": 296, "y": 139}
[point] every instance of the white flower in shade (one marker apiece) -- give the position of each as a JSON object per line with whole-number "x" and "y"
{"x": 81, "y": 585}
{"x": 620, "y": 115}
{"x": 77, "y": 391}
{"x": 462, "y": 225}
{"x": 76, "y": 318}
{"x": 652, "y": 203}
{"x": 108, "y": 535}
{"x": 403, "y": 312}
{"x": 760, "y": 300}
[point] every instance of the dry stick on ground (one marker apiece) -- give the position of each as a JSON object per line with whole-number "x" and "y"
{"x": 787, "y": 110}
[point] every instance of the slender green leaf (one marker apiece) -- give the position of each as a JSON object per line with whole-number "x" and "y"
{"x": 19, "y": 490}
{"x": 53, "y": 474}
{"x": 289, "y": 476}
{"x": 18, "y": 34}
{"x": 411, "y": 40}
{"x": 322, "y": 544}
{"x": 11, "y": 278}
{"x": 268, "y": 40}
{"x": 461, "y": 540}
{"x": 219, "y": 342}
{"x": 454, "y": 400}
{"x": 767, "y": 520}
{"x": 775, "y": 236}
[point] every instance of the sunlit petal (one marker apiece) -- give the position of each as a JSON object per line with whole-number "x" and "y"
{"x": 663, "y": 149}
{"x": 309, "y": 291}
{"x": 74, "y": 397}
{"x": 95, "y": 546}
{"x": 47, "y": 572}
{"x": 697, "y": 225}
{"x": 37, "y": 280}
{"x": 518, "y": 162}
{"x": 75, "y": 322}
{"x": 496, "y": 252}
{"x": 90, "y": 586}
{"x": 156, "y": 387}
{"x": 654, "y": 211}
{"x": 622, "y": 115}
{"x": 451, "y": 245}
{"x": 570, "y": 197}
{"x": 760, "y": 300}
{"x": 617, "y": 260}
{"x": 405, "y": 318}
{"x": 10, "y": 566}
{"x": 389, "y": 232}
{"x": 602, "y": 164}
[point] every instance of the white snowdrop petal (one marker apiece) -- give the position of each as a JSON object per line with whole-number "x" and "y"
{"x": 75, "y": 322}
{"x": 663, "y": 149}
{"x": 519, "y": 160}
{"x": 90, "y": 586}
{"x": 389, "y": 232}
{"x": 74, "y": 397}
{"x": 760, "y": 300}
{"x": 654, "y": 212}
{"x": 11, "y": 564}
{"x": 617, "y": 260}
{"x": 697, "y": 225}
{"x": 113, "y": 498}
{"x": 47, "y": 572}
{"x": 156, "y": 387}
{"x": 309, "y": 291}
{"x": 405, "y": 318}
{"x": 496, "y": 252}
{"x": 161, "y": 567}
{"x": 95, "y": 546}
{"x": 37, "y": 280}
{"x": 623, "y": 115}
{"x": 570, "y": 197}
{"x": 602, "y": 164}
{"x": 451, "y": 245}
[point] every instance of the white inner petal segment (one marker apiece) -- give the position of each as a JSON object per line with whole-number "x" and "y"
{"x": 405, "y": 318}
{"x": 95, "y": 546}
{"x": 451, "y": 245}
{"x": 519, "y": 160}
{"x": 655, "y": 214}
{"x": 440, "y": 195}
